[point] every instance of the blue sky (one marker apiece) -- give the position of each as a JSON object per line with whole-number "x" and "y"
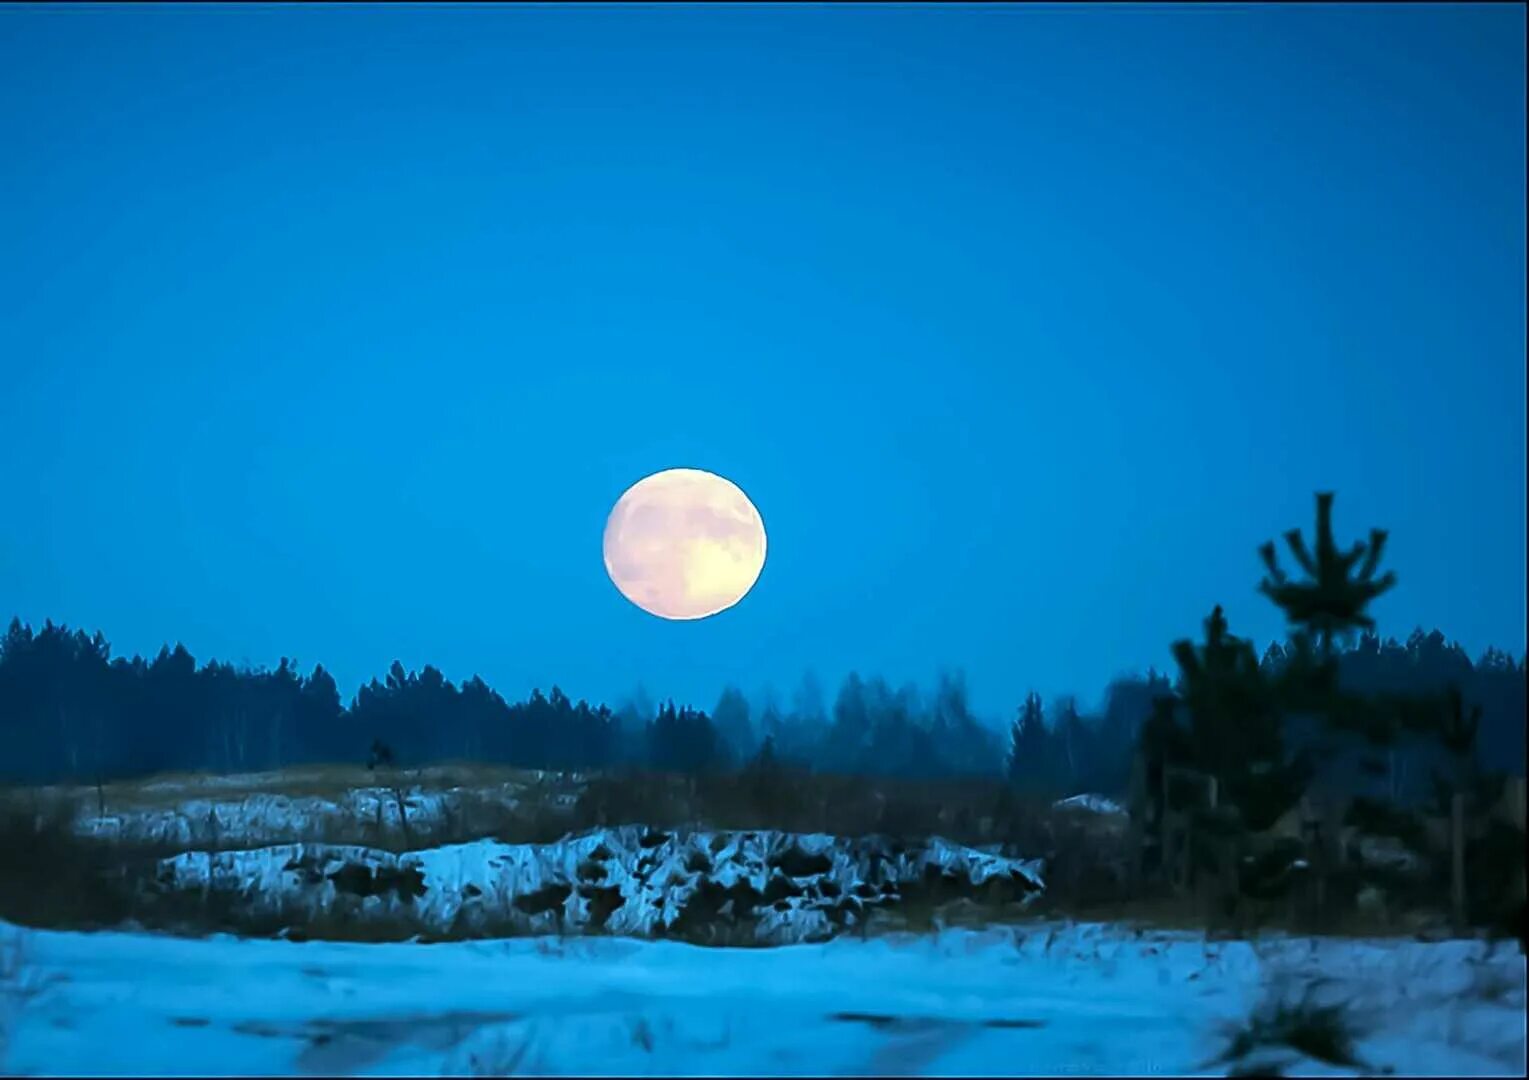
{"x": 335, "y": 332}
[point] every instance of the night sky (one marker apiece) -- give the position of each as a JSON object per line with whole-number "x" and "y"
{"x": 336, "y": 332}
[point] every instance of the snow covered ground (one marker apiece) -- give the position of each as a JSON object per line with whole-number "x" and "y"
{"x": 249, "y": 810}
{"x": 1038, "y": 999}
{"x": 252, "y": 818}
{"x": 335, "y": 803}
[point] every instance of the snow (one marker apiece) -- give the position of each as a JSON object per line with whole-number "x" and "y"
{"x": 1032, "y": 1000}
{"x": 248, "y": 819}
{"x": 630, "y": 880}
{"x": 1093, "y": 804}
{"x": 1389, "y": 852}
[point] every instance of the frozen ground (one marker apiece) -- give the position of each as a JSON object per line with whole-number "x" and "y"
{"x": 337, "y": 804}
{"x": 203, "y": 815}
{"x": 341, "y": 804}
{"x": 1033, "y": 1000}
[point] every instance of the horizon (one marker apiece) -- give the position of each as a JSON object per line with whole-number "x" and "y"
{"x": 335, "y": 333}
{"x": 1089, "y": 701}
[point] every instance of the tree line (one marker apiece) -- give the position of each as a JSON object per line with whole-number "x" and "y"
{"x": 70, "y": 711}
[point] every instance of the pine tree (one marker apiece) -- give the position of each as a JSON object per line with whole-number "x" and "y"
{"x": 1236, "y": 726}
{"x": 731, "y": 717}
{"x": 1458, "y": 726}
{"x": 1028, "y": 744}
{"x": 1339, "y": 586}
{"x": 1070, "y": 739}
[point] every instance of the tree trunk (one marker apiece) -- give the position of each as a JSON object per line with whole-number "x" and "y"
{"x": 1457, "y": 860}
{"x": 403, "y": 814}
{"x": 71, "y": 744}
{"x": 1163, "y": 865}
{"x": 1516, "y": 812}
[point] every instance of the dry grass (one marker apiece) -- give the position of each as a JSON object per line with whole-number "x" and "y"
{"x": 51, "y": 876}
{"x": 165, "y": 791}
{"x": 1158, "y": 911}
{"x": 505, "y": 1056}
{"x": 520, "y": 805}
{"x": 474, "y": 802}
{"x": 1288, "y": 1025}
{"x": 973, "y": 810}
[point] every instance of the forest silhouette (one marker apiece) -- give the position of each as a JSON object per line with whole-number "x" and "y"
{"x": 1396, "y": 718}
{"x": 70, "y": 712}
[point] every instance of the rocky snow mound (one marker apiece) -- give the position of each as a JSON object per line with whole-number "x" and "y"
{"x": 762, "y": 887}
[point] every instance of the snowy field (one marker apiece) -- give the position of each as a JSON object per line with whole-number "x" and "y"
{"x": 1039, "y": 999}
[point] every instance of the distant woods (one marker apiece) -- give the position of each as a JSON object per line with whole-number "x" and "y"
{"x": 70, "y": 712}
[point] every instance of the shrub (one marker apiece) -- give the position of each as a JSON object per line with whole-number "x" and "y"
{"x": 1382, "y": 819}
{"x": 50, "y": 876}
{"x": 1280, "y": 1024}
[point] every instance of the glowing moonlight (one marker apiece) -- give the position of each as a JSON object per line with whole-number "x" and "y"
{"x": 684, "y": 544}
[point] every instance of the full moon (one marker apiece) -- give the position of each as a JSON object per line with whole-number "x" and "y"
{"x": 684, "y": 544}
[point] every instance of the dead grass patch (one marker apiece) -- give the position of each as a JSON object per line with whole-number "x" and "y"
{"x": 1286, "y": 1027}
